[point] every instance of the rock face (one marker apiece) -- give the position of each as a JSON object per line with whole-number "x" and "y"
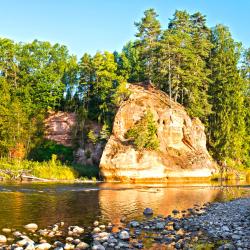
{"x": 59, "y": 127}
{"x": 182, "y": 151}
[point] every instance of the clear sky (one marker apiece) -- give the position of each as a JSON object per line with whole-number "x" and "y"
{"x": 91, "y": 25}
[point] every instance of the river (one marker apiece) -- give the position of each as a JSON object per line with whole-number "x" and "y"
{"x": 81, "y": 204}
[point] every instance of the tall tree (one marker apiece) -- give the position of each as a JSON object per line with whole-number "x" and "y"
{"x": 184, "y": 52}
{"x": 226, "y": 123}
{"x": 246, "y": 76}
{"x": 149, "y": 30}
{"x": 42, "y": 67}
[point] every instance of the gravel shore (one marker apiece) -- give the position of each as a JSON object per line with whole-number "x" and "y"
{"x": 229, "y": 222}
{"x": 210, "y": 226}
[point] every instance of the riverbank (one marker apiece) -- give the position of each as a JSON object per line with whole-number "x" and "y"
{"x": 52, "y": 170}
{"x": 208, "y": 226}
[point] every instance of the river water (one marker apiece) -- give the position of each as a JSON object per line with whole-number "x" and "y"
{"x": 81, "y": 204}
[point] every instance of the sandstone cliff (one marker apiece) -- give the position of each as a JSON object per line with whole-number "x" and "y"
{"x": 61, "y": 127}
{"x": 58, "y": 127}
{"x": 182, "y": 151}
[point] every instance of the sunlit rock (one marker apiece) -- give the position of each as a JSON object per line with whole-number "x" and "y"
{"x": 3, "y": 239}
{"x": 31, "y": 227}
{"x": 182, "y": 149}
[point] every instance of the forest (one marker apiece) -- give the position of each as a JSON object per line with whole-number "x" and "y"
{"x": 203, "y": 68}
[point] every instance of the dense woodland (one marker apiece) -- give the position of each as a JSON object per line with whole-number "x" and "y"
{"x": 203, "y": 68}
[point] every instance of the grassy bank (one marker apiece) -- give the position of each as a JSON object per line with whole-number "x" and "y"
{"x": 242, "y": 174}
{"x": 52, "y": 170}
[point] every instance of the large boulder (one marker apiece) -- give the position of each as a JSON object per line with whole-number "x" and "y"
{"x": 182, "y": 152}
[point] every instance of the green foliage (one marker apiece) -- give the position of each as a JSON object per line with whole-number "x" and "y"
{"x": 87, "y": 171}
{"x": 47, "y": 149}
{"x": 226, "y": 123}
{"x": 52, "y": 169}
{"x": 149, "y": 30}
{"x": 32, "y": 79}
{"x": 202, "y": 68}
{"x": 100, "y": 87}
{"x": 105, "y": 132}
{"x": 92, "y": 137}
{"x": 144, "y": 133}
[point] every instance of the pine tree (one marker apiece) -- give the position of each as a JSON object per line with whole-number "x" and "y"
{"x": 226, "y": 123}
{"x": 130, "y": 62}
{"x": 144, "y": 133}
{"x": 184, "y": 51}
{"x": 246, "y": 75}
{"x": 149, "y": 30}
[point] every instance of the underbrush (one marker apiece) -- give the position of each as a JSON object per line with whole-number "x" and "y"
{"x": 236, "y": 173}
{"x": 87, "y": 172}
{"x": 52, "y": 169}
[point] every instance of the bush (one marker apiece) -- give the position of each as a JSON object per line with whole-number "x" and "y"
{"x": 92, "y": 137}
{"x": 44, "y": 152}
{"x": 144, "y": 133}
{"x": 52, "y": 169}
{"x": 87, "y": 171}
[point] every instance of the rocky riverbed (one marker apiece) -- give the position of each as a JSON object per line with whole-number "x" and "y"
{"x": 210, "y": 226}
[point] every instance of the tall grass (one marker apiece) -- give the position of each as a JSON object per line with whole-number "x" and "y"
{"x": 52, "y": 169}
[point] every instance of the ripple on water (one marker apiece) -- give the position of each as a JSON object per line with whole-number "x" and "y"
{"x": 81, "y": 204}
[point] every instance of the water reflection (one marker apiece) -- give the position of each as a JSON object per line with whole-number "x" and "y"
{"x": 131, "y": 202}
{"x": 83, "y": 203}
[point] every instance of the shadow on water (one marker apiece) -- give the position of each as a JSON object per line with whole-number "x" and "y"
{"x": 81, "y": 204}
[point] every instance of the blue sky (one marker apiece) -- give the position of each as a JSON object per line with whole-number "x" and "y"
{"x": 91, "y": 25}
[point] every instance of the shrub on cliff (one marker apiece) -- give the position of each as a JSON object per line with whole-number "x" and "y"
{"x": 144, "y": 133}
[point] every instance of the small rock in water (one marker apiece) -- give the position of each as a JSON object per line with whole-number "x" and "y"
{"x": 96, "y": 230}
{"x": 58, "y": 244}
{"x": 10, "y": 239}
{"x": 102, "y": 227}
{"x": 70, "y": 233}
{"x": 124, "y": 235}
{"x": 175, "y": 211}
{"x": 6, "y": 230}
{"x": 24, "y": 242}
{"x": 55, "y": 228}
{"x": 82, "y": 245}
{"x": 76, "y": 241}
{"x": 123, "y": 219}
{"x": 110, "y": 226}
{"x": 69, "y": 246}
{"x": 43, "y": 246}
{"x": 228, "y": 246}
{"x": 98, "y": 247}
{"x": 134, "y": 223}
{"x": 51, "y": 234}
{"x": 31, "y": 227}
{"x": 3, "y": 239}
{"x": 78, "y": 230}
{"x": 69, "y": 239}
{"x": 96, "y": 223}
{"x": 176, "y": 226}
{"x": 160, "y": 225}
{"x": 30, "y": 247}
{"x": 148, "y": 211}
{"x": 225, "y": 228}
{"x": 17, "y": 234}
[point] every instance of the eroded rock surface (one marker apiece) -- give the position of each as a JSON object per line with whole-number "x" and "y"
{"x": 59, "y": 127}
{"x": 182, "y": 151}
